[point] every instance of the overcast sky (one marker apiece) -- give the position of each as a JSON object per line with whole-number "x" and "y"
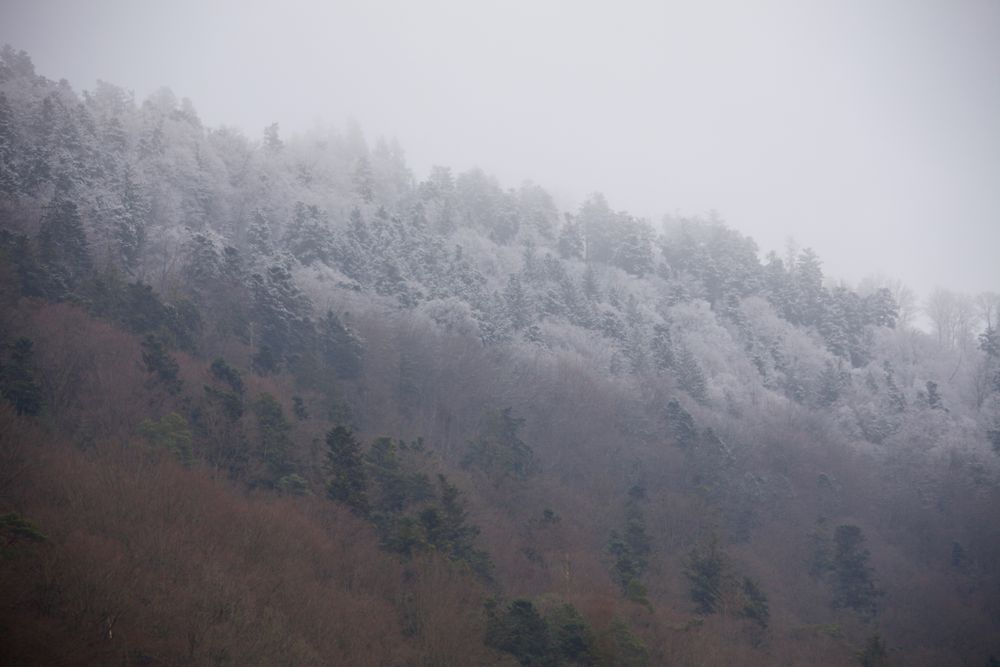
{"x": 867, "y": 129}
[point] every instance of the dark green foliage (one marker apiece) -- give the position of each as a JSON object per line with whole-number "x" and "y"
{"x": 231, "y": 404}
{"x": 632, "y": 549}
{"x": 690, "y": 377}
{"x": 223, "y": 372}
{"x": 281, "y": 318}
{"x": 572, "y": 639}
{"x": 230, "y": 401}
{"x": 403, "y": 535}
{"x": 293, "y": 485}
{"x": 274, "y": 435}
{"x": 448, "y": 529}
{"x": 499, "y": 450}
{"x": 128, "y": 223}
{"x": 265, "y": 360}
{"x": 299, "y": 408}
{"x": 160, "y": 365}
{"x": 15, "y": 528}
{"x": 707, "y": 569}
{"x": 348, "y": 483}
{"x": 755, "y": 605}
{"x": 521, "y": 631}
{"x": 63, "y": 248}
{"x": 853, "y": 586}
{"x": 821, "y": 556}
{"x": 141, "y": 310}
{"x": 397, "y": 488}
{"x": 441, "y": 523}
{"x": 17, "y": 379}
{"x": 681, "y": 425}
{"x": 628, "y": 650}
{"x": 33, "y": 279}
{"x": 874, "y": 653}
{"x": 171, "y": 434}
{"x": 340, "y": 350}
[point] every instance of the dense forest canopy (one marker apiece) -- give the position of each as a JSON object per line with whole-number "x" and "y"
{"x": 275, "y": 400}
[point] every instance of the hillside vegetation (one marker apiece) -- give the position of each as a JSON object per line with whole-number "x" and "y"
{"x": 275, "y": 401}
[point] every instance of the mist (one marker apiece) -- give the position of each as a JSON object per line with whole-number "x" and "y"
{"x": 523, "y": 334}
{"x": 868, "y": 132}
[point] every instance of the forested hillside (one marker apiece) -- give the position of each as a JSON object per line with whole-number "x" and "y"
{"x": 275, "y": 400}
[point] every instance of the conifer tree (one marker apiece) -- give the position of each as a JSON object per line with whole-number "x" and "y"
{"x": 348, "y": 483}
{"x": 17, "y": 379}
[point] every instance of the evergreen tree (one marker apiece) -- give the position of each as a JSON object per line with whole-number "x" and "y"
{"x": 755, "y": 604}
{"x": 10, "y": 180}
{"x": 690, "y": 377}
{"x": 163, "y": 368}
{"x": 340, "y": 349}
{"x": 348, "y": 482}
{"x": 63, "y": 246}
{"x": 274, "y": 433}
{"x": 309, "y": 236}
{"x": 17, "y": 379}
{"x": 633, "y": 245}
{"x": 521, "y": 631}
{"x": 707, "y": 569}
{"x": 681, "y": 424}
{"x": 852, "y": 576}
{"x": 518, "y": 305}
{"x": 874, "y": 653}
{"x": 499, "y": 450}
{"x": 171, "y": 433}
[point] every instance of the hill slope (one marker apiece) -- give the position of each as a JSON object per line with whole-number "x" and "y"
{"x": 275, "y": 401}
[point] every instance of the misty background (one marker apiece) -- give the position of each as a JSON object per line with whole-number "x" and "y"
{"x": 868, "y": 131}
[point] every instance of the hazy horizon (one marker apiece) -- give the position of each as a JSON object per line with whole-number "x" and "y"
{"x": 869, "y": 133}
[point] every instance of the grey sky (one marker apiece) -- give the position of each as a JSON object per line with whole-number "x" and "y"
{"x": 867, "y": 129}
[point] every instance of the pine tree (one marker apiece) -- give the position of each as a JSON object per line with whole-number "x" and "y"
{"x": 63, "y": 246}
{"x": 690, "y": 377}
{"x": 10, "y": 180}
{"x": 521, "y": 631}
{"x": 340, "y": 349}
{"x": 17, "y": 379}
{"x": 163, "y": 368}
{"x": 348, "y": 482}
{"x": 499, "y": 450}
{"x": 852, "y": 576}
{"x": 707, "y": 569}
{"x": 274, "y": 433}
{"x": 518, "y": 305}
{"x": 681, "y": 425}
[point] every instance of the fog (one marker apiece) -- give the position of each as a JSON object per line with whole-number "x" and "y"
{"x": 868, "y": 131}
